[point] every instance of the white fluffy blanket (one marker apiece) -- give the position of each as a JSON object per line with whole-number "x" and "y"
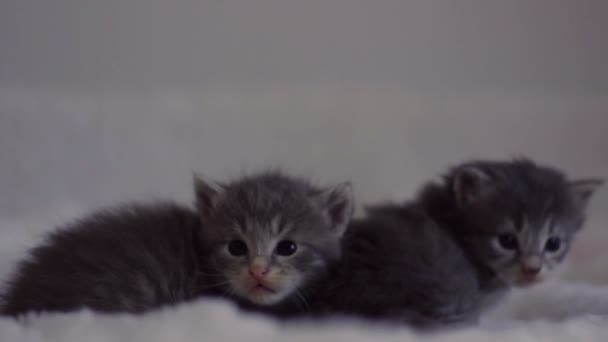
{"x": 569, "y": 309}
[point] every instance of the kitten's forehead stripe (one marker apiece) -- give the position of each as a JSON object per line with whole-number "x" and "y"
{"x": 248, "y": 224}
{"x": 525, "y": 222}
{"x": 526, "y": 240}
{"x": 551, "y": 225}
{"x": 275, "y": 225}
{"x": 546, "y": 212}
{"x": 287, "y": 229}
{"x": 260, "y": 242}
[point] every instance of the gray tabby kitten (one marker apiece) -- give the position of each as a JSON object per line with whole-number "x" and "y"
{"x": 516, "y": 220}
{"x": 444, "y": 257}
{"x": 262, "y": 241}
{"x": 270, "y": 240}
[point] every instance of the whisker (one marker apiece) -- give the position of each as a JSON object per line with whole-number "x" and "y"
{"x": 210, "y": 286}
{"x": 209, "y": 274}
{"x": 302, "y": 298}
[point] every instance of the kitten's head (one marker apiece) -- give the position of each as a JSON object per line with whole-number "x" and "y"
{"x": 269, "y": 235}
{"x": 517, "y": 218}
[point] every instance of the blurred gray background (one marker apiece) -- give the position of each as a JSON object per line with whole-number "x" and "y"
{"x": 104, "y": 101}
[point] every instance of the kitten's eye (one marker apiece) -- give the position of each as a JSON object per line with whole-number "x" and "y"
{"x": 237, "y": 248}
{"x": 507, "y": 241}
{"x": 286, "y": 248}
{"x": 553, "y": 244}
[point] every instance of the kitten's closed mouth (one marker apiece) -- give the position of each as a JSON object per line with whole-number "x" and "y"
{"x": 262, "y": 288}
{"x": 529, "y": 281}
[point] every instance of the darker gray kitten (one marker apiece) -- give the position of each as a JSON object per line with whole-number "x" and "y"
{"x": 516, "y": 220}
{"x": 262, "y": 241}
{"x": 448, "y": 254}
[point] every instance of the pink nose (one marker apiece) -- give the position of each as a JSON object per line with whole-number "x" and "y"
{"x": 258, "y": 273}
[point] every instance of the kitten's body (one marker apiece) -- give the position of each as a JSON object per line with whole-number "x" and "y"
{"x": 130, "y": 259}
{"x": 142, "y": 257}
{"x": 436, "y": 260}
{"x": 399, "y": 266}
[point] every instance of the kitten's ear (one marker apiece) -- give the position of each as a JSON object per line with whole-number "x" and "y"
{"x": 207, "y": 192}
{"x": 470, "y": 184}
{"x": 583, "y": 189}
{"x": 338, "y": 204}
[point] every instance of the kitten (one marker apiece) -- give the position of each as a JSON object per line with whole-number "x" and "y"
{"x": 261, "y": 241}
{"x": 516, "y": 220}
{"x": 450, "y": 253}
{"x": 270, "y": 240}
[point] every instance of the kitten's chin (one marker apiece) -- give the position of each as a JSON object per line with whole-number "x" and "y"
{"x": 265, "y": 296}
{"x": 526, "y": 282}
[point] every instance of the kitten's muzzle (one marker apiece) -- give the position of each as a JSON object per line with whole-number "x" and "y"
{"x": 529, "y": 275}
{"x": 258, "y": 275}
{"x": 259, "y": 268}
{"x": 531, "y": 266}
